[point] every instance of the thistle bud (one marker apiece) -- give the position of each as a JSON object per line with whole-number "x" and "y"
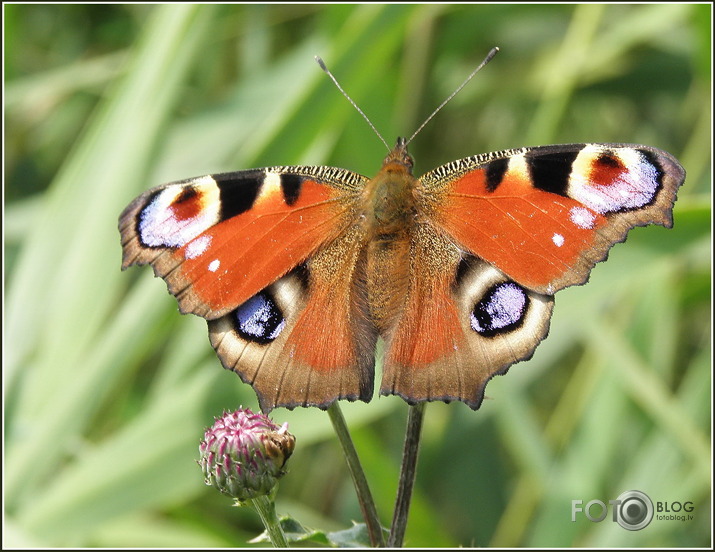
{"x": 243, "y": 454}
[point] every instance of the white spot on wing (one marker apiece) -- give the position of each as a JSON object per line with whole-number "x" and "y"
{"x": 197, "y": 247}
{"x": 558, "y": 240}
{"x": 582, "y": 217}
{"x": 213, "y": 265}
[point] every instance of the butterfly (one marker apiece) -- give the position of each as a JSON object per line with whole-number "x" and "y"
{"x": 300, "y": 269}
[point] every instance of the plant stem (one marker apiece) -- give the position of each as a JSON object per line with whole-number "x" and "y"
{"x": 367, "y": 505}
{"x": 407, "y": 475}
{"x": 266, "y": 508}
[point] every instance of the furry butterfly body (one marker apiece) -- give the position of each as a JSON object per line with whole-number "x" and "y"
{"x": 300, "y": 269}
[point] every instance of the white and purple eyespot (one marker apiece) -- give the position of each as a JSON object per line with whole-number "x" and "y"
{"x": 179, "y": 213}
{"x": 501, "y": 309}
{"x": 607, "y": 181}
{"x": 259, "y": 319}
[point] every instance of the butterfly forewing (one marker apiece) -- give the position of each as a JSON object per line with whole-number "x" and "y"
{"x": 544, "y": 216}
{"x": 218, "y": 240}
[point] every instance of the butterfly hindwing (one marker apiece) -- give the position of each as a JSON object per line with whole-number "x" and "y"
{"x": 463, "y": 322}
{"x": 307, "y": 339}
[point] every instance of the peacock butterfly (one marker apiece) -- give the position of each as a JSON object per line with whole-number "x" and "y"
{"x": 299, "y": 269}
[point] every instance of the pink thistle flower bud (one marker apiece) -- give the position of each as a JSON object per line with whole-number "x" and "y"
{"x": 244, "y": 454}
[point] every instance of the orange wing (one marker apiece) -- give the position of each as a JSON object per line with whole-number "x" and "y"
{"x": 218, "y": 240}
{"x": 306, "y": 340}
{"x": 271, "y": 258}
{"x": 545, "y": 216}
{"x": 463, "y": 322}
{"x": 499, "y": 234}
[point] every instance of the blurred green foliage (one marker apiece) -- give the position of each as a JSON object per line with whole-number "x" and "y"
{"x": 107, "y": 389}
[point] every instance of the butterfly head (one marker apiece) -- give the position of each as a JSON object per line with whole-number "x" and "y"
{"x": 398, "y": 159}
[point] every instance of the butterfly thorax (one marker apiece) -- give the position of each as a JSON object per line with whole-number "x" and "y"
{"x": 388, "y": 198}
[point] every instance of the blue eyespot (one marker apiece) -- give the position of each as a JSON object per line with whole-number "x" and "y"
{"x": 501, "y": 310}
{"x": 259, "y": 319}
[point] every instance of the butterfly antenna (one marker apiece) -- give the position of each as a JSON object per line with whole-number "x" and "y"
{"x": 327, "y": 72}
{"x": 487, "y": 59}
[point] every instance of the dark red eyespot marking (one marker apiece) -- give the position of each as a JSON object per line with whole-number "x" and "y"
{"x": 187, "y": 204}
{"x": 607, "y": 169}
